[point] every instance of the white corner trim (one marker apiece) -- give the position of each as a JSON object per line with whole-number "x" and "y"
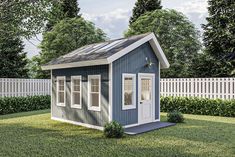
{"x": 159, "y": 91}
{"x": 52, "y": 96}
{"x": 90, "y": 107}
{"x": 75, "y": 64}
{"x": 57, "y": 87}
{"x": 110, "y": 92}
{"x": 132, "y": 106}
{"x": 78, "y": 123}
{"x": 77, "y": 106}
{"x": 154, "y": 44}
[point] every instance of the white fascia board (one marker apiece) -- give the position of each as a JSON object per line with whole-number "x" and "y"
{"x": 76, "y": 64}
{"x": 154, "y": 44}
{"x": 159, "y": 52}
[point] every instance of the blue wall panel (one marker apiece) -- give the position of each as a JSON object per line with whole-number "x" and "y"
{"x": 133, "y": 62}
{"x": 83, "y": 115}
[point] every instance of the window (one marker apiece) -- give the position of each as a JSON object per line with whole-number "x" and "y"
{"x": 146, "y": 90}
{"x": 94, "y": 92}
{"x": 128, "y": 91}
{"x": 61, "y": 91}
{"x": 76, "y": 94}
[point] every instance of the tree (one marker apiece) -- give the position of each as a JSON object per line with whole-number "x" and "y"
{"x": 35, "y": 71}
{"x": 219, "y": 33}
{"x": 143, "y": 6}
{"x": 66, "y": 36}
{"x": 205, "y": 65}
{"x": 13, "y": 59}
{"x": 177, "y": 36}
{"x": 61, "y": 10}
{"x": 24, "y": 18}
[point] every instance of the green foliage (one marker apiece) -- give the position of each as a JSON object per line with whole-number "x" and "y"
{"x": 219, "y": 34}
{"x": 175, "y": 117}
{"x": 113, "y": 130}
{"x": 13, "y": 59}
{"x": 35, "y": 70}
{"x": 143, "y": 6}
{"x": 22, "y": 104}
{"x": 205, "y": 65}
{"x": 23, "y": 17}
{"x": 61, "y": 10}
{"x": 200, "y": 106}
{"x": 177, "y": 36}
{"x": 66, "y": 36}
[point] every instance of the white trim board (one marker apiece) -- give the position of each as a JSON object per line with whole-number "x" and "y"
{"x": 110, "y": 92}
{"x": 75, "y": 64}
{"x": 151, "y": 38}
{"x": 94, "y": 126}
{"x": 79, "y": 123}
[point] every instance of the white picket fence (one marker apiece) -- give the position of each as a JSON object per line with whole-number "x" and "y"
{"x": 223, "y": 88}
{"x": 24, "y": 87}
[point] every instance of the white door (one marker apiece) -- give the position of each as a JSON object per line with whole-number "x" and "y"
{"x": 146, "y": 97}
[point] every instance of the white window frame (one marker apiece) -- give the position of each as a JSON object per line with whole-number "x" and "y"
{"x": 132, "y": 106}
{"x": 57, "y": 90}
{"x": 90, "y": 107}
{"x": 78, "y": 106}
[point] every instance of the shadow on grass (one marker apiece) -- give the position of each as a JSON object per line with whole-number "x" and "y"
{"x": 24, "y": 114}
{"x": 79, "y": 141}
{"x": 44, "y": 137}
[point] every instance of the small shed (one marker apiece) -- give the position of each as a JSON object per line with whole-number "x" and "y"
{"x": 117, "y": 80}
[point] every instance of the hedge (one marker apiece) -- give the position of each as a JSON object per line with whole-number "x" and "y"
{"x": 23, "y": 104}
{"x": 200, "y": 106}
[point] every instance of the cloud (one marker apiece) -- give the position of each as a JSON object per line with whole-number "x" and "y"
{"x": 198, "y": 6}
{"x": 195, "y": 10}
{"x": 113, "y": 23}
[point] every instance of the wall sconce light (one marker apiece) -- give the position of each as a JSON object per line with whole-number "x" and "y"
{"x": 149, "y": 62}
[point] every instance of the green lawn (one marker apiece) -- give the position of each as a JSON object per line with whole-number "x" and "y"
{"x": 35, "y": 134}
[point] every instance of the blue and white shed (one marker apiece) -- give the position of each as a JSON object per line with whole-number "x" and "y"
{"x": 116, "y": 80}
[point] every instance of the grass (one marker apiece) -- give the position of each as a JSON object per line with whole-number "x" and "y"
{"x": 34, "y": 134}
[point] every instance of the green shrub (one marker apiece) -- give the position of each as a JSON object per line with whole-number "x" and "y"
{"x": 200, "y": 106}
{"x": 175, "y": 117}
{"x": 23, "y": 104}
{"x": 113, "y": 130}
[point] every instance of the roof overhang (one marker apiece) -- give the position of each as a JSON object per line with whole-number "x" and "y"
{"x": 151, "y": 38}
{"x": 75, "y": 64}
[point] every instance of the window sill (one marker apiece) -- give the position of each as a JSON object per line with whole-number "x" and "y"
{"x": 129, "y": 107}
{"x": 61, "y": 105}
{"x": 76, "y": 106}
{"x": 94, "y": 109}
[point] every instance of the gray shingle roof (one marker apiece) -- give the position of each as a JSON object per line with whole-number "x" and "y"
{"x": 96, "y": 51}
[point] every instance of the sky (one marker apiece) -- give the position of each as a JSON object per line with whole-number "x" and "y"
{"x": 112, "y": 16}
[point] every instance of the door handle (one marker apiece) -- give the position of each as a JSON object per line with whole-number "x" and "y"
{"x": 141, "y": 102}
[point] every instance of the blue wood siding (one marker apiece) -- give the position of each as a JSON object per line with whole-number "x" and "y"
{"x": 133, "y": 62}
{"x": 83, "y": 115}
